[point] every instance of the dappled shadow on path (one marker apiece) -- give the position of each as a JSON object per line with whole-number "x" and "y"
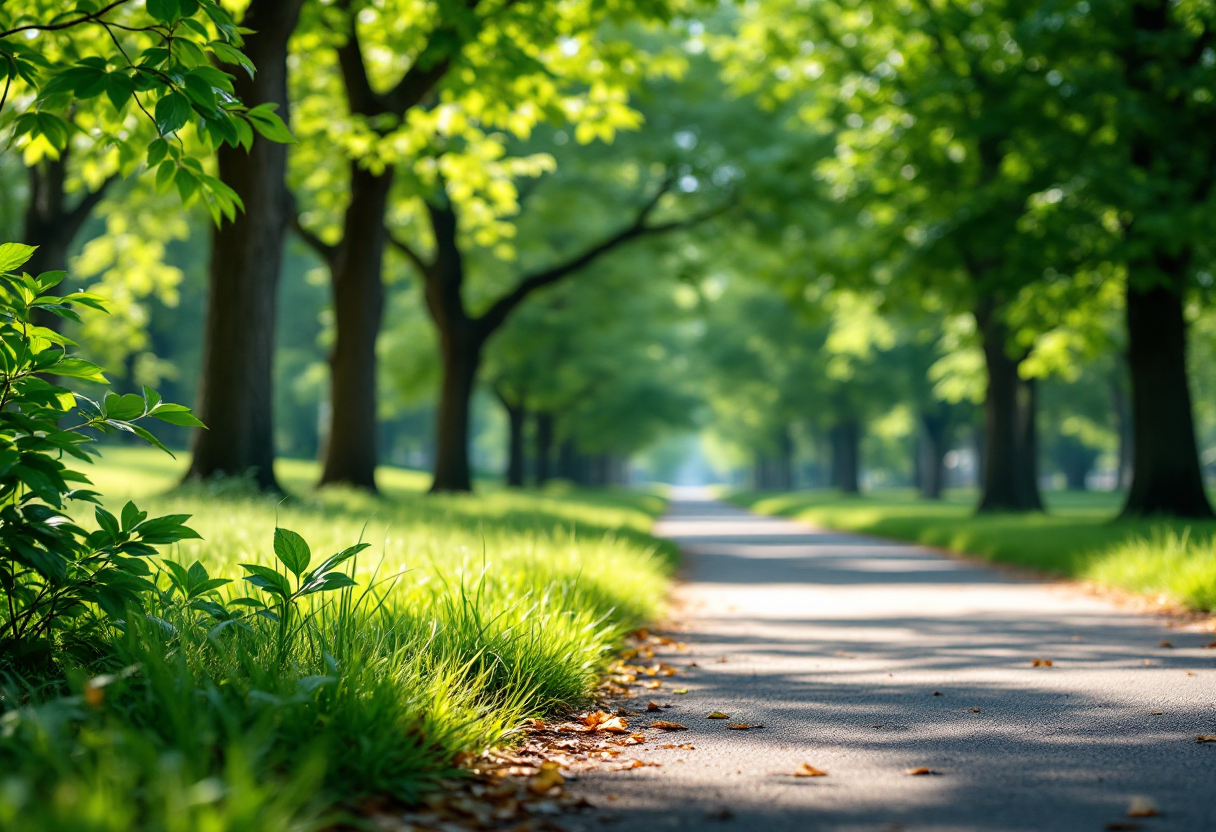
{"x": 867, "y": 658}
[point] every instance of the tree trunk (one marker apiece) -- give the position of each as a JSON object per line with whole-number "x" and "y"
{"x": 1028, "y": 444}
{"x": 931, "y": 455}
{"x": 544, "y": 446}
{"x": 517, "y": 416}
{"x": 1121, "y": 408}
{"x": 565, "y": 460}
{"x": 846, "y": 456}
{"x": 235, "y": 388}
{"x": 461, "y": 357}
{"x": 785, "y": 459}
{"x": 1010, "y": 470}
{"x": 1166, "y": 479}
{"x": 350, "y": 448}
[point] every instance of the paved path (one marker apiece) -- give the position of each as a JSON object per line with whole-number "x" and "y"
{"x": 837, "y": 644}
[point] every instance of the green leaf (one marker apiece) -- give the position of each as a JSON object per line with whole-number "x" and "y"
{"x": 292, "y": 550}
{"x": 266, "y": 578}
{"x": 132, "y": 516}
{"x": 108, "y": 522}
{"x": 127, "y": 406}
{"x": 268, "y": 124}
{"x": 78, "y": 368}
{"x": 164, "y": 10}
{"x": 172, "y": 113}
{"x": 328, "y": 583}
{"x": 14, "y": 255}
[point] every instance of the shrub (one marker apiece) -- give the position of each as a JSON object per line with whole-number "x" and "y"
{"x": 64, "y": 587}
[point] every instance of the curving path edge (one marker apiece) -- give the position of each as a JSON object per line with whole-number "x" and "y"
{"x": 866, "y": 658}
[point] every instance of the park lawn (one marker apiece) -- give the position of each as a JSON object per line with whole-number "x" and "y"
{"x": 1077, "y": 537}
{"x": 484, "y": 610}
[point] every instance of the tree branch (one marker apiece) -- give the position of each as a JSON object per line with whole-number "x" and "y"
{"x": 74, "y": 219}
{"x": 494, "y": 317}
{"x": 88, "y": 17}
{"x": 362, "y": 99}
{"x": 413, "y": 256}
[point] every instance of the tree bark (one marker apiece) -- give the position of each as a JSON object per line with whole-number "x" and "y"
{"x": 846, "y": 456}
{"x": 1010, "y": 470}
{"x": 931, "y": 452}
{"x": 1121, "y": 408}
{"x": 544, "y": 446}
{"x": 235, "y": 388}
{"x": 350, "y": 448}
{"x": 517, "y": 415}
{"x": 1166, "y": 478}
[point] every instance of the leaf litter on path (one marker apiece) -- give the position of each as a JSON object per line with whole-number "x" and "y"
{"x": 808, "y": 770}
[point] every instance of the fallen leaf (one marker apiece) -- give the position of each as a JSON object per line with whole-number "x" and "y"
{"x": 656, "y": 684}
{"x": 1041, "y": 663}
{"x": 1211, "y": 646}
{"x": 546, "y": 779}
{"x": 538, "y": 724}
{"x": 808, "y": 770}
{"x": 1166, "y": 644}
{"x": 653, "y": 706}
{"x": 1156, "y": 713}
{"x": 663, "y": 725}
{"x": 717, "y": 715}
{"x": 937, "y": 693}
{"x": 918, "y": 770}
{"x": 722, "y": 658}
{"x": 1205, "y": 738}
{"x": 743, "y": 726}
{"x": 688, "y": 747}
{"x": 1142, "y": 807}
{"x": 720, "y": 814}
{"x": 975, "y": 710}
{"x": 632, "y": 739}
{"x": 681, "y": 645}
{"x": 680, "y": 690}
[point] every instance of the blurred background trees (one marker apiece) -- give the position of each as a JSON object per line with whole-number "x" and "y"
{"x": 830, "y": 244}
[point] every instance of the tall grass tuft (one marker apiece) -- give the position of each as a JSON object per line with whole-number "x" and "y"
{"x": 470, "y": 615}
{"x": 1176, "y": 566}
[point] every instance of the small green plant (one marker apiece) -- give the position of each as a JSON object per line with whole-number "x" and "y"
{"x": 293, "y": 552}
{"x": 62, "y": 585}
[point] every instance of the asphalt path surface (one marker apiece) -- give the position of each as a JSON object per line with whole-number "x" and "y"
{"x": 867, "y": 658}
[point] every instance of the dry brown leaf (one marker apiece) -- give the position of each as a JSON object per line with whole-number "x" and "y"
{"x": 721, "y": 659}
{"x": 653, "y": 706}
{"x": 1166, "y": 644}
{"x": 656, "y": 684}
{"x": 1156, "y": 713}
{"x": 743, "y": 726}
{"x": 975, "y": 710}
{"x": 663, "y": 725}
{"x": 808, "y": 770}
{"x": 1041, "y": 663}
{"x": 1205, "y": 738}
{"x": 546, "y": 779}
{"x": 1142, "y": 807}
{"x": 684, "y": 746}
{"x": 919, "y": 770}
{"x": 717, "y": 715}
{"x": 1211, "y": 646}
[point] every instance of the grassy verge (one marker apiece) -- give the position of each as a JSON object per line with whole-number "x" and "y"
{"x": 1077, "y": 538}
{"x": 471, "y": 614}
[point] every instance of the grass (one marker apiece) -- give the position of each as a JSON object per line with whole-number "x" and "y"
{"x": 1174, "y": 561}
{"x": 473, "y": 612}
